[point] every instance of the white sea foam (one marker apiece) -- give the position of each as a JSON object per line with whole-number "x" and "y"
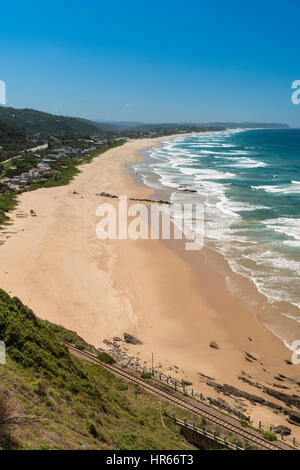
{"x": 200, "y": 163}
{"x": 248, "y": 163}
{"x": 293, "y": 188}
{"x": 288, "y": 226}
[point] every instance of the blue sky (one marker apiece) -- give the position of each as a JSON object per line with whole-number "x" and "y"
{"x": 153, "y": 61}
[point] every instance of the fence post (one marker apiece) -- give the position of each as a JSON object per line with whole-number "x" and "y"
{"x": 192, "y": 392}
{"x": 260, "y": 425}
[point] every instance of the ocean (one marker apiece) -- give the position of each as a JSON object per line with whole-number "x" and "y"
{"x": 249, "y": 183}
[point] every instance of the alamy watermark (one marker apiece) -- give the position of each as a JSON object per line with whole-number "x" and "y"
{"x": 157, "y": 221}
{"x": 295, "y": 346}
{"x": 2, "y": 353}
{"x": 2, "y": 92}
{"x": 296, "y": 94}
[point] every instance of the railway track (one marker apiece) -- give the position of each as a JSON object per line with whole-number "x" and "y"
{"x": 200, "y": 409}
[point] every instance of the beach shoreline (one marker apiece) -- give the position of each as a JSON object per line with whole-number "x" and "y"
{"x": 56, "y": 265}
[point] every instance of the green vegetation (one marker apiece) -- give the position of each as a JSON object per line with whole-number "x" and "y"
{"x": 64, "y": 168}
{"x": 62, "y": 334}
{"x": 12, "y": 140}
{"x": 269, "y": 435}
{"x": 203, "y": 423}
{"x": 67, "y": 168}
{"x": 146, "y": 375}
{"x": 91, "y": 427}
{"x": 245, "y": 424}
{"x": 32, "y": 122}
{"x": 106, "y": 358}
{"x": 8, "y": 202}
{"x": 52, "y": 400}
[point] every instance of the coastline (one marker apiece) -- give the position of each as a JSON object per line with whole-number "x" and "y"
{"x": 148, "y": 288}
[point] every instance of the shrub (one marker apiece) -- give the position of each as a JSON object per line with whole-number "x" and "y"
{"x": 269, "y": 435}
{"x": 106, "y": 358}
{"x": 203, "y": 423}
{"x": 44, "y": 447}
{"x": 244, "y": 423}
{"x": 38, "y": 387}
{"x": 146, "y": 375}
{"x": 91, "y": 427}
{"x": 122, "y": 387}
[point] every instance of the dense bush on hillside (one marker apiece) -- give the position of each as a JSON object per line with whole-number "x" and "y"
{"x": 11, "y": 138}
{"x": 32, "y": 121}
{"x": 67, "y": 403}
{"x": 31, "y": 343}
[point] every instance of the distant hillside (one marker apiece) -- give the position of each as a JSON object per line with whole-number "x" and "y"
{"x": 32, "y": 122}
{"x": 102, "y": 126}
{"x": 250, "y": 125}
{"x": 139, "y": 126}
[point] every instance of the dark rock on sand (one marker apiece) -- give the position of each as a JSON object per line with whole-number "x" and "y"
{"x": 203, "y": 376}
{"x": 290, "y": 400}
{"x": 112, "y": 196}
{"x": 249, "y": 356}
{"x": 281, "y": 386}
{"x": 223, "y": 405}
{"x": 233, "y": 391}
{"x": 214, "y": 345}
{"x": 217, "y": 386}
{"x": 186, "y": 383}
{"x": 131, "y": 339}
{"x": 294, "y": 418}
{"x": 186, "y": 190}
{"x": 282, "y": 430}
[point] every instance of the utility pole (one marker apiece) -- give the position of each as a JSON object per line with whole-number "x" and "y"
{"x": 152, "y": 364}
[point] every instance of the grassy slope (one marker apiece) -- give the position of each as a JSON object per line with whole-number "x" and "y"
{"x": 65, "y": 395}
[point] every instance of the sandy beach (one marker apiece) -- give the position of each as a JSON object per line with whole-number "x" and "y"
{"x": 175, "y": 303}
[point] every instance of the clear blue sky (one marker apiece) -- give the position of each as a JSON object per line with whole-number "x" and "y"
{"x": 153, "y": 60}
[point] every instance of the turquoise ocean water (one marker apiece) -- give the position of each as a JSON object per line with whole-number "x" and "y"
{"x": 249, "y": 182}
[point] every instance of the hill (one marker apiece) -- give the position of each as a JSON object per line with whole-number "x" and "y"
{"x": 52, "y": 400}
{"x": 224, "y": 125}
{"x": 11, "y": 138}
{"x": 31, "y": 121}
{"x": 250, "y": 125}
{"x": 102, "y": 126}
